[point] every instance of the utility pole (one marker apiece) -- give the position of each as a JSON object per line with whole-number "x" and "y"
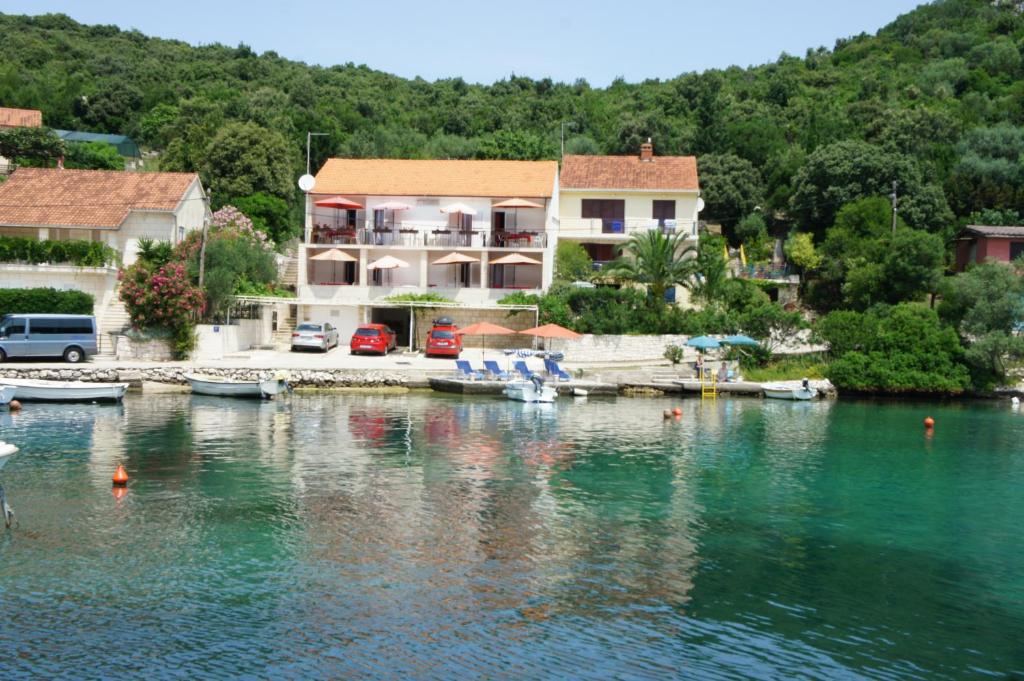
{"x": 202, "y": 240}
{"x": 572, "y": 124}
{"x": 894, "y": 202}
{"x": 310, "y": 136}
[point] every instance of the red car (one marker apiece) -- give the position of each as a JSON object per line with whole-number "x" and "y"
{"x": 378, "y": 338}
{"x": 443, "y": 340}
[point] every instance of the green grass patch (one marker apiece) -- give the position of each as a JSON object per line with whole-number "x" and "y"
{"x": 787, "y": 369}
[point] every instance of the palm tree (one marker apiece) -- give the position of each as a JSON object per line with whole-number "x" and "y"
{"x": 657, "y": 260}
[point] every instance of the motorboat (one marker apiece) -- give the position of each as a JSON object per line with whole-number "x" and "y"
{"x": 6, "y": 394}
{"x": 790, "y": 391}
{"x": 530, "y": 390}
{"x": 7, "y": 450}
{"x": 30, "y": 389}
{"x": 220, "y": 386}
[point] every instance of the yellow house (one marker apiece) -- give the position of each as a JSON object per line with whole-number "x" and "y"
{"x": 603, "y": 200}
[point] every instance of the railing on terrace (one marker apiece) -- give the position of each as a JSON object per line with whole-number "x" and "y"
{"x": 433, "y": 235}
{"x": 76, "y": 252}
{"x": 625, "y": 227}
{"x": 763, "y": 272}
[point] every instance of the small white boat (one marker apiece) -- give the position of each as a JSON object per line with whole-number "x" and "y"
{"x": 579, "y": 392}
{"x": 789, "y": 391}
{"x": 6, "y": 394}
{"x": 28, "y": 389}
{"x": 264, "y": 388}
{"x": 523, "y": 390}
{"x": 7, "y": 450}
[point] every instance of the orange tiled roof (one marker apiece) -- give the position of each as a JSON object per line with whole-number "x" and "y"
{"x": 672, "y": 173}
{"x": 20, "y": 118}
{"x": 86, "y": 198}
{"x": 398, "y": 177}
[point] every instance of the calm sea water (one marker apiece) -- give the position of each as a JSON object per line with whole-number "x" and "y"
{"x": 434, "y": 537}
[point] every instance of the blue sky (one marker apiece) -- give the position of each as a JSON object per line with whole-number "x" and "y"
{"x": 484, "y": 41}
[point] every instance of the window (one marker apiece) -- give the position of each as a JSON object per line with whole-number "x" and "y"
{"x": 368, "y": 333}
{"x": 442, "y": 334}
{"x": 12, "y": 326}
{"x": 57, "y": 326}
{"x": 1016, "y": 249}
{"x": 308, "y": 327}
{"x": 611, "y": 212}
{"x": 663, "y": 210}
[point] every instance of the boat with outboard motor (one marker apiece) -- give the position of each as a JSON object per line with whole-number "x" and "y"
{"x": 530, "y": 390}
{"x": 219, "y": 386}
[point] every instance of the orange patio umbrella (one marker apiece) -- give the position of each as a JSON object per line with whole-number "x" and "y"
{"x": 335, "y": 255}
{"x": 552, "y": 331}
{"x": 485, "y": 329}
{"x": 338, "y": 202}
{"x": 516, "y": 204}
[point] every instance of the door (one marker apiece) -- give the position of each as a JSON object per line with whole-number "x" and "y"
{"x": 13, "y": 338}
{"x": 46, "y": 337}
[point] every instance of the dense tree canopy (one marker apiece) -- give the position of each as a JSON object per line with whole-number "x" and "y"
{"x": 934, "y": 101}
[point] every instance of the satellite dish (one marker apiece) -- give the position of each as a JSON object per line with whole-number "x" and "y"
{"x": 700, "y": 204}
{"x": 307, "y": 182}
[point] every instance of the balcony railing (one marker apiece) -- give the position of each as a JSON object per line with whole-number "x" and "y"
{"x": 440, "y": 237}
{"x": 625, "y": 227}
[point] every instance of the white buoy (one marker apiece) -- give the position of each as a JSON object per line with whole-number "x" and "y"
{"x": 1015, "y": 402}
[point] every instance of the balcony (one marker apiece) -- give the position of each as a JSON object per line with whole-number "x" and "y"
{"x": 409, "y": 234}
{"x": 579, "y": 228}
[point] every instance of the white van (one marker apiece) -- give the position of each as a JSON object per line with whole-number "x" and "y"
{"x": 71, "y": 336}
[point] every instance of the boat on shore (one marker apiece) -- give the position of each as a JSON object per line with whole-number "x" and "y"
{"x": 789, "y": 391}
{"x": 6, "y": 394}
{"x": 37, "y": 390}
{"x": 7, "y": 450}
{"x": 219, "y": 386}
{"x": 533, "y": 390}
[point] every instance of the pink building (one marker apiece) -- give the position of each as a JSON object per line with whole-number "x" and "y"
{"x": 978, "y": 243}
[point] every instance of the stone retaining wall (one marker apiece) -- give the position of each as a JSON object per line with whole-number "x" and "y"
{"x": 593, "y": 348}
{"x": 154, "y": 350}
{"x": 331, "y": 378}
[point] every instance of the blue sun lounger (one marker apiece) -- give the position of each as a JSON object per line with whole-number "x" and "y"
{"x": 523, "y": 370}
{"x": 492, "y": 368}
{"x": 466, "y": 371}
{"x": 556, "y": 371}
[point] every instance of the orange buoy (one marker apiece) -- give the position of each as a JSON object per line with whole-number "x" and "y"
{"x": 14, "y": 405}
{"x": 120, "y": 477}
{"x": 677, "y": 411}
{"x": 929, "y": 422}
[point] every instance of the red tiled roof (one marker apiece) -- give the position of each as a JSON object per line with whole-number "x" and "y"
{"x": 998, "y": 232}
{"x": 671, "y": 173}
{"x": 86, "y": 198}
{"x": 20, "y": 118}
{"x": 403, "y": 177}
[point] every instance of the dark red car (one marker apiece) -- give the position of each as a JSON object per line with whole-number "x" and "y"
{"x": 377, "y": 338}
{"x": 443, "y": 340}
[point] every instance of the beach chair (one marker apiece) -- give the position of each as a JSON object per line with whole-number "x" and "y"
{"x": 466, "y": 371}
{"x": 494, "y": 370}
{"x": 523, "y": 370}
{"x": 556, "y": 371}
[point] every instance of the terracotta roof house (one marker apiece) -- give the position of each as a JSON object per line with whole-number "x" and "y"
{"x": 20, "y": 118}
{"x": 116, "y": 208}
{"x": 978, "y": 243}
{"x": 605, "y": 199}
{"x": 467, "y": 214}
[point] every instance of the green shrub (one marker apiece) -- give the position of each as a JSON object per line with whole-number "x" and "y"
{"x": 44, "y": 300}
{"x": 418, "y": 298}
{"x": 673, "y": 353}
{"x": 75, "y": 252}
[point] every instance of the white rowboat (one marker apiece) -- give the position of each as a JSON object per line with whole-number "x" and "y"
{"x": 6, "y": 394}
{"x": 226, "y": 387}
{"x": 784, "y": 391}
{"x": 522, "y": 390}
{"x": 6, "y": 451}
{"x": 27, "y": 389}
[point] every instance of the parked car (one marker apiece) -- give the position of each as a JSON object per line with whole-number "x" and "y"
{"x": 71, "y": 336}
{"x": 443, "y": 340}
{"x": 323, "y": 337}
{"x": 377, "y": 338}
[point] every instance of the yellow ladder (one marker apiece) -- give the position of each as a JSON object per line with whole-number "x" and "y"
{"x": 708, "y": 386}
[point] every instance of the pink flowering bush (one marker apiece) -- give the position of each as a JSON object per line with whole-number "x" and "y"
{"x": 162, "y": 297}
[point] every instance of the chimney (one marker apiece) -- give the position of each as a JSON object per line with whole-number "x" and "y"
{"x": 647, "y": 151}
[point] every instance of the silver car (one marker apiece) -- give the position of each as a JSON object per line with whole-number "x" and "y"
{"x": 323, "y": 337}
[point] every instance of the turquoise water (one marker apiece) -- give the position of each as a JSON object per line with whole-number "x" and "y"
{"x": 435, "y": 537}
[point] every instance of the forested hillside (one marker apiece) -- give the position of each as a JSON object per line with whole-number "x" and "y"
{"x": 934, "y": 101}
